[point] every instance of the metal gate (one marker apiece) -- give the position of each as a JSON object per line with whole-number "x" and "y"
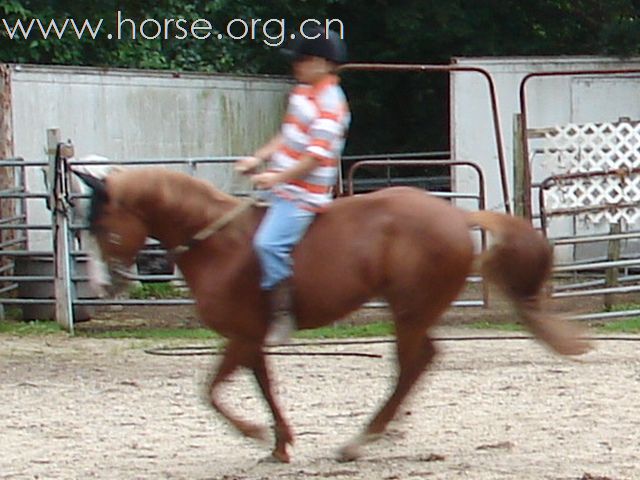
{"x": 53, "y": 282}
{"x": 583, "y": 180}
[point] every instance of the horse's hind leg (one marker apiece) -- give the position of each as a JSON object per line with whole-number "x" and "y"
{"x": 415, "y": 351}
{"x": 236, "y": 354}
{"x": 283, "y": 434}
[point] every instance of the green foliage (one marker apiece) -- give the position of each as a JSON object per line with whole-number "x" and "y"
{"x": 408, "y": 112}
{"x": 164, "y": 50}
{"x": 392, "y": 113}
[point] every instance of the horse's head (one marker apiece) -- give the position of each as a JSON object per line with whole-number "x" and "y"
{"x": 118, "y": 232}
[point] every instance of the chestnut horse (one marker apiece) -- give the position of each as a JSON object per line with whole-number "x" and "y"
{"x": 402, "y": 244}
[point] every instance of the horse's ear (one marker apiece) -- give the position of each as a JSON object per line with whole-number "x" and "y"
{"x": 96, "y": 184}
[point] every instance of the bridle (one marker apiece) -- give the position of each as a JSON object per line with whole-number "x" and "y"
{"x": 121, "y": 272}
{"x": 214, "y": 227}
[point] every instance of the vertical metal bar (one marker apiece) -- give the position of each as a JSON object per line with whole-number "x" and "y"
{"x": 482, "y": 205}
{"x": 502, "y": 165}
{"x": 339, "y": 182}
{"x": 612, "y": 274}
{"x": 192, "y": 165}
{"x": 60, "y": 228}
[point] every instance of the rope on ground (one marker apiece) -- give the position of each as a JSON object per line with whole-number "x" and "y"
{"x": 197, "y": 351}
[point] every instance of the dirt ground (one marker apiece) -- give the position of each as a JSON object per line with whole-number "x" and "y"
{"x": 79, "y": 408}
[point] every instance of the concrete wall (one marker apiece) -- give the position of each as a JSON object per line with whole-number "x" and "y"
{"x": 129, "y": 114}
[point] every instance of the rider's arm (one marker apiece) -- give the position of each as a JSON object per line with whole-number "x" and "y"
{"x": 249, "y": 164}
{"x": 301, "y": 168}
{"x": 269, "y": 148}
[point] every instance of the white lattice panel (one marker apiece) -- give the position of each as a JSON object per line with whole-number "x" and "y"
{"x": 610, "y": 151}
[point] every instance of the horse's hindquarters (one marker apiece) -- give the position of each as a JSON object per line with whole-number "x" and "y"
{"x": 413, "y": 249}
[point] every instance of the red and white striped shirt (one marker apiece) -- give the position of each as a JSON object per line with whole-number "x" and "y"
{"x": 315, "y": 124}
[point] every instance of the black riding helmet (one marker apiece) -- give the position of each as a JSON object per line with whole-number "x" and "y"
{"x": 317, "y": 42}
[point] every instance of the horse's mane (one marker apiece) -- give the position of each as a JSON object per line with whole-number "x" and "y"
{"x": 157, "y": 191}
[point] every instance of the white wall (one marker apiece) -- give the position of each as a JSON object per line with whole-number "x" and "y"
{"x": 550, "y": 101}
{"x": 132, "y": 114}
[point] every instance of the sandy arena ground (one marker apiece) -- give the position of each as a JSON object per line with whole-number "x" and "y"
{"x": 77, "y": 408}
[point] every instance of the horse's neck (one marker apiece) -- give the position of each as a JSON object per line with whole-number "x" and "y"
{"x": 175, "y": 210}
{"x": 224, "y": 261}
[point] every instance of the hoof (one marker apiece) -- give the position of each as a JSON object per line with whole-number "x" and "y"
{"x": 349, "y": 453}
{"x": 276, "y": 457}
{"x": 353, "y": 450}
{"x": 280, "y": 456}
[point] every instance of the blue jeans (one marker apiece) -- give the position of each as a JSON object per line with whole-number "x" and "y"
{"x": 282, "y": 227}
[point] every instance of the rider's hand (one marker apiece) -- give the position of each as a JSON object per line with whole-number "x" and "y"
{"x": 266, "y": 180}
{"x": 247, "y": 165}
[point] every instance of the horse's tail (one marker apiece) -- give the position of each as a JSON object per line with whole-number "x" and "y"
{"x": 519, "y": 263}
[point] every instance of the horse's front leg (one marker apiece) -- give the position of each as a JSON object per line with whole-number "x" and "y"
{"x": 283, "y": 434}
{"x": 237, "y": 354}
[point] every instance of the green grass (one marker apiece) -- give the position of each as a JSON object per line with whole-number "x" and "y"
{"x": 154, "y": 333}
{"x": 374, "y": 329}
{"x": 628, "y": 325}
{"x": 623, "y": 307}
{"x": 485, "y": 325}
{"x": 152, "y": 291}
{"x": 380, "y": 329}
{"x": 36, "y": 327}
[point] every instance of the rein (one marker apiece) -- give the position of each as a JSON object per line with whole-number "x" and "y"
{"x": 213, "y": 227}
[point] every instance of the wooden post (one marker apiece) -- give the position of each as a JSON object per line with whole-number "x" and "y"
{"x": 518, "y": 167}
{"x": 611, "y": 275}
{"x": 9, "y": 207}
{"x": 60, "y": 228}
